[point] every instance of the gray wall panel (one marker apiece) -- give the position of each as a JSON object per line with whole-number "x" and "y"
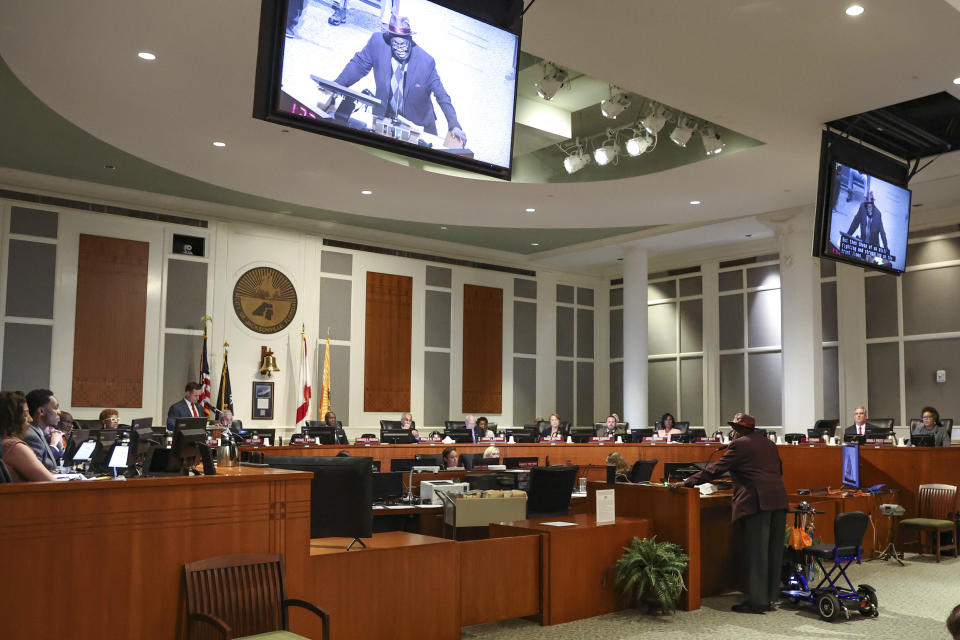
{"x": 33, "y": 222}
{"x": 828, "y": 268}
{"x": 662, "y": 328}
{"x": 186, "y": 294}
{"x": 31, "y": 270}
{"x": 336, "y": 262}
{"x": 564, "y": 293}
{"x": 437, "y": 318}
{"x": 339, "y": 381}
{"x": 930, "y": 303}
{"x": 883, "y": 381}
{"x": 524, "y": 327}
{"x": 731, "y": 280}
{"x": 768, "y": 276}
{"x": 524, "y": 390}
{"x": 881, "y": 306}
{"x": 439, "y": 276}
{"x": 616, "y": 297}
{"x": 616, "y": 333}
{"x": 584, "y": 333}
{"x": 436, "y": 389}
{"x": 763, "y": 318}
{"x": 732, "y": 388}
{"x": 661, "y": 290}
{"x": 26, "y": 357}
{"x": 731, "y": 321}
{"x": 828, "y": 311}
{"x": 691, "y": 286}
{"x": 616, "y": 389}
{"x": 585, "y": 297}
{"x": 933, "y": 251}
{"x": 524, "y": 288}
{"x": 831, "y": 384}
{"x": 585, "y": 409}
{"x": 565, "y": 331}
{"x": 921, "y": 361}
{"x": 565, "y": 390}
{"x": 661, "y": 389}
{"x": 335, "y": 305}
{"x": 691, "y": 325}
{"x": 766, "y": 388}
{"x": 691, "y": 390}
{"x": 181, "y": 359}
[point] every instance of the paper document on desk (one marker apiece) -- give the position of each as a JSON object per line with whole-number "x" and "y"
{"x": 707, "y": 488}
{"x": 560, "y": 524}
{"x": 606, "y": 512}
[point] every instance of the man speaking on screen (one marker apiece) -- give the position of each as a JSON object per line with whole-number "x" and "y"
{"x": 405, "y": 76}
{"x": 870, "y": 223}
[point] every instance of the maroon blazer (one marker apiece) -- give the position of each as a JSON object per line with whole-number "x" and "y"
{"x": 756, "y": 471}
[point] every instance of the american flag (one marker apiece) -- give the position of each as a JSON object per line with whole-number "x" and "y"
{"x": 205, "y": 378}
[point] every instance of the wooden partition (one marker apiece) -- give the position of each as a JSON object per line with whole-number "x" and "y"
{"x": 482, "y": 349}
{"x": 499, "y": 579}
{"x": 388, "y": 328}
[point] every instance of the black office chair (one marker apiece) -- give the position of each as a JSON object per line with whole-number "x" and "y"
{"x": 467, "y": 460}
{"x": 368, "y": 435}
{"x": 390, "y": 424}
{"x": 642, "y": 470}
{"x": 402, "y": 464}
{"x": 550, "y": 491}
{"x": 429, "y": 460}
{"x": 824, "y": 427}
{"x": 454, "y": 424}
{"x": 885, "y": 424}
{"x": 683, "y": 426}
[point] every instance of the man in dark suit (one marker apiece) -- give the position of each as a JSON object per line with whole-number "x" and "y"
{"x": 186, "y": 408}
{"x": 870, "y": 223}
{"x": 330, "y": 419}
{"x": 859, "y": 426}
{"x": 44, "y": 417}
{"x": 405, "y": 77}
{"x": 760, "y": 501}
{"x": 611, "y": 429}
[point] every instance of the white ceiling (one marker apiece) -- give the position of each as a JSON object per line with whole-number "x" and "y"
{"x": 771, "y": 69}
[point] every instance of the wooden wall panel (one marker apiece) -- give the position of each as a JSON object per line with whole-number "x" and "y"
{"x": 111, "y": 318}
{"x": 386, "y": 372}
{"x": 482, "y": 349}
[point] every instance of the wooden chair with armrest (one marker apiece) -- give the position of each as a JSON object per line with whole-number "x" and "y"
{"x": 237, "y": 596}
{"x": 936, "y": 510}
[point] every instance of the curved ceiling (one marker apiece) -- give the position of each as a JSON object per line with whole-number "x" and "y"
{"x": 773, "y": 70}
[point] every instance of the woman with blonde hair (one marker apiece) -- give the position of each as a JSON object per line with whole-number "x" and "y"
{"x": 622, "y": 471}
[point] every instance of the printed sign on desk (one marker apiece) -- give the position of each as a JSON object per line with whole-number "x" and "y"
{"x": 606, "y": 513}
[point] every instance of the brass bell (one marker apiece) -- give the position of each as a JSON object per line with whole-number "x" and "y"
{"x": 268, "y": 363}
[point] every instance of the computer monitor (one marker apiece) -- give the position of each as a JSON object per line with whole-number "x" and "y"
{"x": 521, "y": 462}
{"x": 816, "y": 434}
{"x": 324, "y": 434}
{"x": 387, "y": 486}
{"x": 879, "y": 433}
{"x": 679, "y": 470}
{"x": 399, "y": 436}
{"x": 189, "y": 423}
{"x": 850, "y": 465}
{"x": 87, "y": 424}
{"x": 428, "y": 460}
{"x": 852, "y": 437}
{"x": 140, "y": 423}
{"x": 923, "y": 439}
{"x": 697, "y": 432}
{"x": 458, "y": 435}
{"x": 793, "y": 437}
{"x": 85, "y": 451}
{"x": 685, "y": 437}
{"x": 189, "y": 447}
{"x": 637, "y": 435}
{"x": 522, "y": 435}
{"x": 582, "y": 434}
{"x": 402, "y": 464}
{"x": 955, "y": 434}
{"x": 77, "y": 438}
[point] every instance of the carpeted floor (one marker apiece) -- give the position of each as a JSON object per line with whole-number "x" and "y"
{"x": 914, "y": 603}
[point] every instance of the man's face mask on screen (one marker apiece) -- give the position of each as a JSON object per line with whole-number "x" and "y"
{"x": 400, "y": 48}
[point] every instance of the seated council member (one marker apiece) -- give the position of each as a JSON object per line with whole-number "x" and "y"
{"x": 18, "y": 456}
{"x": 482, "y": 423}
{"x": 110, "y": 418}
{"x": 666, "y": 428}
{"x": 932, "y": 425}
{"x": 406, "y": 422}
{"x": 556, "y": 430}
{"x": 491, "y": 455}
{"x": 470, "y": 424}
{"x": 450, "y": 458}
{"x": 859, "y": 426}
{"x": 330, "y": 419}
{"x": 610, "y": 429}
{"x": 44, "y": 411}
{"x": 186, "y": 408}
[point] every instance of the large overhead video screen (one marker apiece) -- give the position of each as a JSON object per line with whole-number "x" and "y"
{"x": 419, "y": 79}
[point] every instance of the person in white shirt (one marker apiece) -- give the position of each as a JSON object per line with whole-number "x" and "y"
{"x": 859, "y": 426}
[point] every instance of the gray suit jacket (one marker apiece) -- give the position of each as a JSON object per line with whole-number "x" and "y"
{"x": 38, "y": 442}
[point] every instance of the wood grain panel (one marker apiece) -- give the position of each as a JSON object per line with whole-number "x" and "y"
{"x": 386, "y": 373}
{"x": 482, "y": 349}
{"x": 136, "y": 535}
{"x": 111, "y": 318}
{"x": 483, "y": 597}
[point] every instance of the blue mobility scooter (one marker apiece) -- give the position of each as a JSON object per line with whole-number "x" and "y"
{"x": 834, "y": 595}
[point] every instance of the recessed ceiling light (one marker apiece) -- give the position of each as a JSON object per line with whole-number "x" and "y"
{"x": 366, "y": 192}
{"x": 217, "y": 143}
{"x": 956, "y": 80}
{"x": 854, "y": 10}
{"x": 530, "y": 210}
{"x": 113, "y": 167}
{"x": 694, "y": 202}
{"x": 534, "y": 244}
{"x": 146, "y": 55}
{"x": 443, "y": 228}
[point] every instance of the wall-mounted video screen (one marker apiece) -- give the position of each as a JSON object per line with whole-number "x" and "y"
{"x": 420, "y": 79}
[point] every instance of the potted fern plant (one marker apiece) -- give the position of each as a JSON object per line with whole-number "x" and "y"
{"x": 652, "y": 572}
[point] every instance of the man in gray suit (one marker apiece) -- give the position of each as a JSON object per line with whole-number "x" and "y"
{"x": 44, "y": 416}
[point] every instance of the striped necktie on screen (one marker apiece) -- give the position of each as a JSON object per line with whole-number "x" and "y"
{"x": 396, "y": 89}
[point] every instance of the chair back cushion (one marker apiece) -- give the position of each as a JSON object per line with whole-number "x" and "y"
{"x": 642, "y": 470}
{"x": 245, "y": 591}
{"x": 937, "y": 501}
{"x": 848, "y": 530}
{"x": 550, "y": 489}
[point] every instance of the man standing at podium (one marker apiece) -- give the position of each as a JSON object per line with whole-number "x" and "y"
{"x": 760, "y": 502}
{"x": 186, "y": 408}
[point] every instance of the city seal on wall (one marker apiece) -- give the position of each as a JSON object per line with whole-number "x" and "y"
{"x": 264, "y": 300}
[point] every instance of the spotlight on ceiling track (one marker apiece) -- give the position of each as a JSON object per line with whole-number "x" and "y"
{"x": 552, "y": 81}
{"x": 607, "y": 153}
{"x": 655, "y": 120}
{"x": 615, "y": 105}
{"x": 684, "y": 129}
{"x": 576, "y": 159}
{"x": 712, "y": 143}
{"x": 640, "y": 143}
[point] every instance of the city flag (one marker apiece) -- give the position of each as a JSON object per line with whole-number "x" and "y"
{"x": 204, "y": 401}
{"x": 225, "y": 394}
{"x": 325, "y": 382}
{"x": 303, "y": 400}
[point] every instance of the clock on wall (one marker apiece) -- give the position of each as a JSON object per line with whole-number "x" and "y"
{"x": 264, "y": 300}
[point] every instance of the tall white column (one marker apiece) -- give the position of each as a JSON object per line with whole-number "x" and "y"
{"x": 710, "y": 273}
{"x": 800, "y": 322}
{"x": 851, "y": 338}
{"x": 635, "y": 336}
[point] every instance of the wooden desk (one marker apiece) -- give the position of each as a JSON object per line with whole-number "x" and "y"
{"x": 574, "y": 561}
{"x": 104, "y": 559}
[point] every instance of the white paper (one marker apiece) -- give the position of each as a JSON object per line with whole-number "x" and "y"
{"x": 119, "y": 456}
{"x": 430, "y": 506}
{"x": 84, "y": 452}
{"x": 560, "y": 524}
{"x": 263, "y": 403}
{"x": 606, "y": 513}
{"x": 397, "y": 506}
